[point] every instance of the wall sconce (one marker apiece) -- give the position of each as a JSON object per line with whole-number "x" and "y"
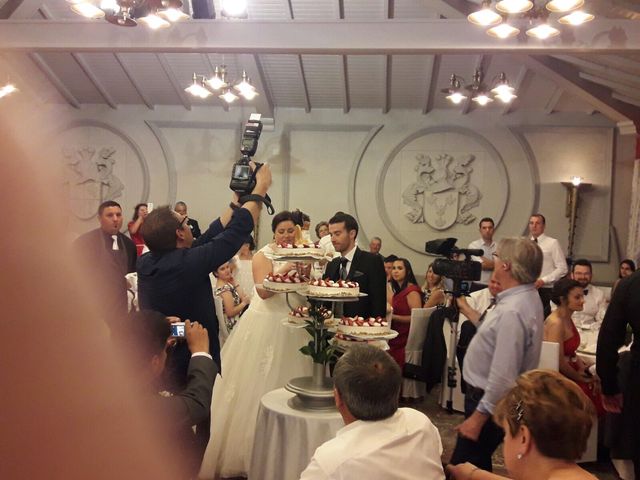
{"x": 573, "y": 189}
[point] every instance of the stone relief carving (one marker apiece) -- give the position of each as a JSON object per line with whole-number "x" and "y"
{"x": 90, "y": 178}
{"x": 442, "y": 194}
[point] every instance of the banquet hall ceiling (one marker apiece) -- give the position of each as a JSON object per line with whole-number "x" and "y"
{"x": 317, "y": 54}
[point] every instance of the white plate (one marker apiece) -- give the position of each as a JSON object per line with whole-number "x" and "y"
{"x": 298, "y": 288}
{"x": 381, "y": 344}
{"x": 300, "y": 322}
{"x": 388, "y": 336}
{"x": 284, "y": 258}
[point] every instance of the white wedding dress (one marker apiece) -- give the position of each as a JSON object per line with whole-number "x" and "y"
{"x": 260, "y": 355}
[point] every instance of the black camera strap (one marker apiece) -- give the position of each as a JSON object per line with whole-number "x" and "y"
{"x": 258, "y": 198}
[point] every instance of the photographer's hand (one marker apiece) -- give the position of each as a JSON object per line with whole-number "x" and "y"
{"x": 263, "y": 179}
{"x": 197, "y": 337}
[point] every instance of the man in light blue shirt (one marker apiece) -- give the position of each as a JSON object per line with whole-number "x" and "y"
{"x": 507, "y": 343}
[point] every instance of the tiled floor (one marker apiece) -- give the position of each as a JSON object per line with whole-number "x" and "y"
{"x": 446, "y": 423}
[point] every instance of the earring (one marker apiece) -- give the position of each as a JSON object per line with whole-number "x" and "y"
{"x": 519, "y": 456}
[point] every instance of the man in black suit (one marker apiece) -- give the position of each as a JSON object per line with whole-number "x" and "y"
{"x": 181, "y": 208}
{"x": 107, "y": 257}
{"x": 148, "y": 338}
{"x": 354, "y": 264}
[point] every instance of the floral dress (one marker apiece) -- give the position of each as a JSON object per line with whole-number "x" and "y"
{"x": 230, "y": 322}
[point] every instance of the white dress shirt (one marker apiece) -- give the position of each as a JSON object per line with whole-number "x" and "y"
{"x": 349, "y": 256}
{"x": 489, "y": 249}
{"x": 554, "y": 263}
{"x": 405, "y": 446}
{"x": 595, "y": 306}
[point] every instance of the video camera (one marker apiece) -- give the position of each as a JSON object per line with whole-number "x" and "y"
{"x": 462, "y": 272}
{"x": 243, "y": 179}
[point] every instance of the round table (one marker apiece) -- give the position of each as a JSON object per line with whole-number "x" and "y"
{"x": 286, "y": 438}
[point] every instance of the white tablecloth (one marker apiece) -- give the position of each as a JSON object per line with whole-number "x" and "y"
{"x": 286, "y": 438}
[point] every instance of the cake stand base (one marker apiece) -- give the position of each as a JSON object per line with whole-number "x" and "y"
{"x": 311, "y": 393}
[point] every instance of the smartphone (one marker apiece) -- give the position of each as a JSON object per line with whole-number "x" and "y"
{"x": 177, "y": 329}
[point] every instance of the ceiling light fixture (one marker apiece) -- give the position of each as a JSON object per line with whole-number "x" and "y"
{"x": 234, "y": 8}
{"x": 8, "y": 89}
{"x": 485, "y": 16}
{"x": 514, "y": 6}
{"x": 564, "y": 5}
{"x": 537, "y": 13}
{"x": 128, "y": 13}
{"x": 203, "y": 87}
{"x": 478, "y": 90}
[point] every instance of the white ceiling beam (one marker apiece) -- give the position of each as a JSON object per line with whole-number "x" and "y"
{"x": 431, "y": 84}
{"x": 602, "y": 70}
{"x": 553, "y": 101}
{"x": 54, "y": 79}
{"x": 567, "y": 77}
{"x": 621, "y": 63}
{"x": 84, "y": 66}
{"x": 630, "y": 100}
{"x": 307, "y": 101}
{"x": 387, "y": 84}
{"x": 617, "y": 86}
{"x": 427, "y": 36}
{"x": 24, "y": 9}
{"x": 136, "y": 86}
{"x": 164, "y": 63}
{"x": 521, "y": 84}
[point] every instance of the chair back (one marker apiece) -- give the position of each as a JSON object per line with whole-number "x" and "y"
{"x": 418, "y": 328}
{"x": 550, "y": 356}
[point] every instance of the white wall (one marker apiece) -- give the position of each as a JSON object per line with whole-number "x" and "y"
{"x": 362, "y": 162}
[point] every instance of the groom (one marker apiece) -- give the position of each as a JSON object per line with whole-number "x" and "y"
{"x": 354, "y": 264}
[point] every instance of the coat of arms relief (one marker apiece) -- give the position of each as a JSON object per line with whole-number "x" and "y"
{"x": 90, "y": 178}
{"x": 442, "y": 194}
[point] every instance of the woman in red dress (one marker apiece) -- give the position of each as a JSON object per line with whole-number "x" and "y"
{"x": 406, "y": 296}
{"x": 139, "y": 214}
{"x": 559, "y": 328}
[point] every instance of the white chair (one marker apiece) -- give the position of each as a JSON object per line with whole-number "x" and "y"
{"x": 413, "y": 350}
{"x": 223, "y": 333}
{"x": 550, "y": 356}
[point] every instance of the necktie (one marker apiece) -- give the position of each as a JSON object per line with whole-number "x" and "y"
{"x": 115, "y": 242}
{"x": 484, "y": 314}
{"x": 586, "y": 292}
{"x": 535, "y": 240}
{"x": 343, "y": 268}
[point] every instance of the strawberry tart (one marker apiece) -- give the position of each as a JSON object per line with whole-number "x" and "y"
{"x": 363, "y": 326}
{"x": 329, "y": 288}
{"x": 288, "y": 282}
{"x": 298, "y": 250}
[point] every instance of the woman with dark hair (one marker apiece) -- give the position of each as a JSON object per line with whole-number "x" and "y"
{"x": 433, "y": 288}
{"x": 626, "y": 268}
{"x": 260, "y": 355}
{"x": 140, "y": 212}
{"x": 568, "y": 295}
{"x": 546, "y": 420}
{"x": 406, "y": 296}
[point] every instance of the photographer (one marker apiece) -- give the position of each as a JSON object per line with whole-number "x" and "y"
{"x": 507, "y": 343}
{"x": 148, "y": 340}
{"x": 174, "y": 277}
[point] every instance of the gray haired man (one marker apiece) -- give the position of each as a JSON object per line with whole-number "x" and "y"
{"x": 507, "y": 343}
{"x": 378, "y": 437}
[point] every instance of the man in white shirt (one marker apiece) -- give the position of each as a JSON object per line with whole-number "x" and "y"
{"x": 554, "y": 263}
{"x": 595, "y": 302}
{"x": 486, "y": 244}
{"x": 379, "y": 440}
{"x": 475, "y": 306}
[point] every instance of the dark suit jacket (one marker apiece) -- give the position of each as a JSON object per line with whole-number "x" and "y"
{"x": 105, "y": 270}
{"x": 195, "y": 228}
{"x": 368, "y": 270}
{"x": 176, "y": 282}
{"x": 179, "y": 413}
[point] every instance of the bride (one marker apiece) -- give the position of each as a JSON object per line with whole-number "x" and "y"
{"x": 260, "y": 355}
